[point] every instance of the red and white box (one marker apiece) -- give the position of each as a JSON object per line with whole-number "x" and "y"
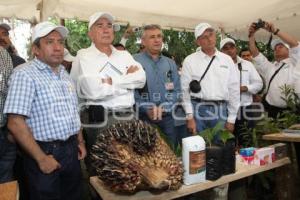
{"x": 248, "y": 160}
{"x": 264, "y": 156}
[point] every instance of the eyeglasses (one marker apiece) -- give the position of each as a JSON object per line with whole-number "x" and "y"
{"x": 207, "y": 34}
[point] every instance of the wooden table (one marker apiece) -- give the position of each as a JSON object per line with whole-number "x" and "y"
{"x": 283, "y": 137}
{"x": 285, "y": 179}
{"x": 242, "y": 172}
{"x": 9, "y": 191}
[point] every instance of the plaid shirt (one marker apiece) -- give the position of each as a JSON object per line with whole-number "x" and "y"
{"x": 48, "y": 100}
{"x": 6, "y": 68}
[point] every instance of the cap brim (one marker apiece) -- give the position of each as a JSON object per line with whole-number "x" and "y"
{"x": 62, "y": 31}
{"x": 5, "y": 26}
{"x": 108, "y": 16}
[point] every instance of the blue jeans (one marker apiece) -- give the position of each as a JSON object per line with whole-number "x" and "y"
{"x": 7, "y": 157}
{"x": 207, "y": 115}
{"x": 64, "y": 183}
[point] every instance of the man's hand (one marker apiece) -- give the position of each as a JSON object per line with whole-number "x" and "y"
{"x": 252, "y": 30}
{"x": 155, "y": 113}
{"x": 256, "y": 98}
{"x": 48, "y": 164}
{"x": 81, "y": 150}
{"x": 191, "y": 125}
{"x": 269, "y": 27}
{"x": 243, "y": 89}
{"x": 132, "y": 69}
{"x": 229, "y": 126}
{"x": 107, "y": 80}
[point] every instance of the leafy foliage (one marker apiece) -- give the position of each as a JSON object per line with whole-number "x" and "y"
{"x": 210, "y": 134}
{"x": 284, "y": 120}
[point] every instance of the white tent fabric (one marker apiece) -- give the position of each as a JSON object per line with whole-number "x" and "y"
{"x": 233, "y": 15}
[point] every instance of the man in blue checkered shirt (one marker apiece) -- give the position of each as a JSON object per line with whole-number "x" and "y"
{"x": 43, "y": 117}
{"x": 7, "y": 148}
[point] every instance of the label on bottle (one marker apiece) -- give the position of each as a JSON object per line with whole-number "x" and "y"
{"x": 197, "y": 162}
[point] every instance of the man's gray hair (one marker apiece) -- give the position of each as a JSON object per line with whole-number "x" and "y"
{"x": 150, "y": 27}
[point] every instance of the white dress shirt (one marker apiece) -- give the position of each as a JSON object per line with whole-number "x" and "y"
{"x": 251, "y": 79}
{"x": 87, "y": 72}
{"x": 285, "y": 76}
{"x": 221, "y": 81}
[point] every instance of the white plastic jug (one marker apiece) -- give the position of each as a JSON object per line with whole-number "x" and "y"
{"x": 194, "y": 159}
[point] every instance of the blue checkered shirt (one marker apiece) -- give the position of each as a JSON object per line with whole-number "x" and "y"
{"x": 48, "y": 101}
{"x": 6, "y": 67}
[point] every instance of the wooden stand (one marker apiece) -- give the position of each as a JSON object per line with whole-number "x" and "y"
{"x": 285, "y": 181}
{"x": 9, "y": 191}
{"x": 242, "y": 172}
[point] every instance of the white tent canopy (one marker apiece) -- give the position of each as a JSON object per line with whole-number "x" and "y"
{"x": 232, "y": 15}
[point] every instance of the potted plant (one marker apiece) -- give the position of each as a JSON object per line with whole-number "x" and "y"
{"x": 217, "y": 151}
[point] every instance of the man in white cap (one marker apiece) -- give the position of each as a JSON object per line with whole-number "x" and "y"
{"x": 6, "y": 43}
{"x": 279, "y": 73}
{"x": 250, "y": 84}
{"x": 210, "y": 86}
{"x": 43, "y": 118}
{"x": 219, "y": 84}
{"x": 105, "y": 79}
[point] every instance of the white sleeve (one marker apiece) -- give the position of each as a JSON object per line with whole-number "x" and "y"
{"x": 75, "y": 70}
{"x": 131, "y": 80}
{"x": 294, "y": 54}
{"x": 91, "y": 86}
{"x": 185, "y": 79}
{"x": 262, "y": 65}
{"x": 234, "y": 93}
{"x": 256, "y": 82}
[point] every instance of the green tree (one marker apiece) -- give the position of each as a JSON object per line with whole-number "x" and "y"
{"x": 177, "y": 43}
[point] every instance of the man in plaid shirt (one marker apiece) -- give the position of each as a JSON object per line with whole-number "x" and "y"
{"x": 7, "y": 149}
{"x": 43, "y": 117}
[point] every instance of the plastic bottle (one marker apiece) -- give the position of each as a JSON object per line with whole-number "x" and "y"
{"x": 194, "y": 159}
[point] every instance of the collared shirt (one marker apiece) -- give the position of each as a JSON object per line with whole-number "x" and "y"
{"x": 221, "y": 81}
{"x": 6, "y": 68}
{"x": 88, "y": 69}
{"x": 163, "y": 83}
{"x": 48, "y": 101}
{"x": 285, "y": 76}
{"x": 251, "y": 79}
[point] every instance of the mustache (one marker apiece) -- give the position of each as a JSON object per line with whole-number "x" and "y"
{"x": 2, "y": 41}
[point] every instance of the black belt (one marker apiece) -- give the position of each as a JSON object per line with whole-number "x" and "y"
{"x": 60, "y": 142}
{"x": 208, "y": 101}
{"x": 126, "y": 111}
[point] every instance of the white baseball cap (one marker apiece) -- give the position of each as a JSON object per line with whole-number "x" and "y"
{"x": 67, "y": 56}
{"x": 200, "y": 28}
{"x": 275, "y": 42}
{"x": 5, "y": 26}
{"x": 225, "y": 41}
{"x": 44, "y": 28}
{"x": 93, "y": 18}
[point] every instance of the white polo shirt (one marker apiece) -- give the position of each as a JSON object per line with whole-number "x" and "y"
{"x": 285, "y": 76}
{"x": 221, "y": 82}
{"x": 88, "y": 70}
{"x": 251, "y": 79}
